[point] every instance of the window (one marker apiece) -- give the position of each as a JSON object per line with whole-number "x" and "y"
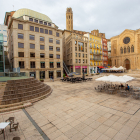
{"x": 86, "y": 55}
{"x": 75, "y": 42}
{"x": 35, "y": 20}
{"x": 50, "y": 48}
{"x": 79, "y": 60}
{"x": 32, "y": 37}
{"x": 36, "y": 29}
{"x": 132, "y": 48}
{"x": 31, "y": 28}
{"x": 58, "y": 64}
{"x": 124, "y": 51}
{"x": 46, "y": 31}
{"x": 79, "y": 55}
{"x": 57, "y": 41}
{"x": 20, "y": 36}
{"x": 83, "y": 60}
{"x": 41, "y": 38}
{"x": 45, "y": 23}
{"x": 57, "y": 49}
{"x": 30, "y": 19}
{"x": 49, "y": 24}
{"x": 42, "y": 64}
{"x": 32, "y": 46}
{"x": 58, "y": 56}
{"x": 83, "y": 55}
{"x": 20, "y": 45}
{"x": 75, "y": 54}
{"x": 32, "y": 54}
{"x": 32, "y": 64}
{"x": 41, "y": 30}
{"x": 42, "y": 55}
{"x": 128, "y": 49}
{"x": 20, "y": 54}
{"x": 50, "y": 55}
{"x": 50, "y": 32}
{"x": 41, "y": 47}
{"x": 86, "y": 60}
{"x": 41, "y": 22}
{"x": 57, "y": 34}
{"x": 20, "y": 26}
{"x": 50, "y": 40}
{"x": 21, "y": 64}
{"x": 58, "y": 74}
{"x": 75, "y": 48}
{"x": 75, "y": 60}
{"x": 51, "y": 65}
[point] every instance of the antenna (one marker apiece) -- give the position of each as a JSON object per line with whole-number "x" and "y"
{"x": 13, "y": 7}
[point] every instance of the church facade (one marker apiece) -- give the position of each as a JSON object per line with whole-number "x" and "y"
{"x": 125, "y": 49}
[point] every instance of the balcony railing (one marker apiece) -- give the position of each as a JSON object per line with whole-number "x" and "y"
{"x": 51, "y": 66}
{"x": 21, "y": 67}
{"x": 97, "y": 59}
{"x": 32, "y": 66}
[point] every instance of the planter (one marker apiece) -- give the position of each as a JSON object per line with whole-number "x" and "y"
{"x": 41, "y": 80}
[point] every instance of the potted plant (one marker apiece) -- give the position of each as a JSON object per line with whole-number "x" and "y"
{"x": 41, "y": 80}
{"x": 86, "y": 74}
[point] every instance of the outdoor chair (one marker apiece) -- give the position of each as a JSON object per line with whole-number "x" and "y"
{"x": 16, "y": 138}
{"x": 11, "y": 120}
{"x": 2, "y": 131}
{"x": 14, "y": 126}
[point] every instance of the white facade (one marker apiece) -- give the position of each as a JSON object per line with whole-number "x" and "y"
{"x": 3, "y": 30}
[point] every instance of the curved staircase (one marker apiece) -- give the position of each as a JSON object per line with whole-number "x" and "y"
{"x": 22, "y": 93}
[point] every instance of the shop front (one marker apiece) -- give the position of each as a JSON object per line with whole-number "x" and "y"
{"x": 78, "y": 69}
{"x": 84, "y": 69}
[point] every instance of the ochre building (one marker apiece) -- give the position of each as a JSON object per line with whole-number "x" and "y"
{"x": 125, "y": 49}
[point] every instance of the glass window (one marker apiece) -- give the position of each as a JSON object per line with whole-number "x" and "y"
{"x": 58, "y": 56}
{"x": 46, "y": 31}
{"x": 30, "y": 19}
{"x": 50, "y": 55}
{"x": 50, "y": 40}
{"x": 79, "y": 60}
{"x": 32, "y": 54}
{"x": 41, "y": 30}
{"x": 57, "y": 49}
{"x": 51, "y": 65}
{"x": 36, "y": 29}
{"x": 83, "y": 55}
{"x": 20, "y": 36}
{"x": 41, "y": 38}
{"x": 32, "y": 46}
{"x": 75, "y": 42}
{"x": 20, "y": 45}
{"x": 58, "y": 64}
{"x": 79, "y": 55}
{"x": 75, "y": 48}
{"x": 57, "y": 41}
{"x": 41, "y": 22}
{"x": 49, "y": 24}
{"x": 32, "y": 64}
{"x": 75, "y": 60}
{"x": 45, "y": 23}
{"x": 20, "y": 26}
{"x": 20, "y": 54}
{"x": 50, "y": 32}
{"x": 50, "y": 48}
{"x": 31, "y": 28}
{"x": 42, "y": 64}
{"x": 42, "y": 55}
{"x": 57, "y": 34}
{"x": 32, "y": 37}
{"x": 21, "y": 64}
{"x": 58, "y": 74}
{"x": 35, "y": 20}
{"x": 41, "y": 47}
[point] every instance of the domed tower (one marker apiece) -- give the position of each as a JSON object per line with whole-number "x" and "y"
{"x": 69, "y": 19}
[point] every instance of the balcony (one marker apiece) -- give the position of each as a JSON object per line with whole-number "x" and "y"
{"x": 105, "y": 50}
{"x": 91, "y": 47}
{"x": 105, "y": 55}
{"x": 105, "y": 60}
{"x": 97, "y": 59}
{"x": 90, "y": 52}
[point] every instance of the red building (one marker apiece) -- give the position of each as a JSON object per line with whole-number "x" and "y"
{"x": 105, "y": 52}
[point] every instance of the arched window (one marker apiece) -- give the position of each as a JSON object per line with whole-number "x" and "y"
{"x": 132, "y": 48}
{"x": 128, "y": 49}
{"x": 69, "y": 17}
{"x": 124, "y": 49}
{"x": 121, "y": 50}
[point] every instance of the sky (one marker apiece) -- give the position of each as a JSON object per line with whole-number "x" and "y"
{"x": 111, "y": 17}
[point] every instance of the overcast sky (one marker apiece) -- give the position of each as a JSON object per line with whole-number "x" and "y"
{"x": 109, "y": 16}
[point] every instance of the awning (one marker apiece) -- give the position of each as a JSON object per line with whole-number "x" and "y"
{"x": 58, "y": 62}
{"x": 51, "y": 62}
{"x": 42, "y": 62}
{"x": 101, "y": 67}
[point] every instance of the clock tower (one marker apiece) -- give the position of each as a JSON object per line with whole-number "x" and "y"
{"x": 69, "y": 19}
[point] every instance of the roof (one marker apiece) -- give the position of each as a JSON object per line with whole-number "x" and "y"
{"x": 31, "y": 13}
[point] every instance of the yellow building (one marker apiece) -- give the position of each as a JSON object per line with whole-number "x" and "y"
{"x": 95, "y": 45}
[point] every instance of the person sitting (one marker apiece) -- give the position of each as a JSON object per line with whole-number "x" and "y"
{"x": 127, "y": 87}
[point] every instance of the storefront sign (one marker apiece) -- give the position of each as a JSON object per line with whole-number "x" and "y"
{"x": 78, "y": 67}
{"x": 84, "y": 67}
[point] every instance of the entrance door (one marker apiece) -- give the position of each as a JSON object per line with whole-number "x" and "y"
{"x": 33, "y": 74}
{"x": 51, "y": 74}
{"x": 127, "y": 64}
{"x": 42, "y": 74}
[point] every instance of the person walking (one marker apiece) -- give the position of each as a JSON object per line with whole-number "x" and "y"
{"x": 51, "y": 78}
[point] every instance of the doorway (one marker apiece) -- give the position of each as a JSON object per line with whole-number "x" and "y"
{"x": 127, "y": 64}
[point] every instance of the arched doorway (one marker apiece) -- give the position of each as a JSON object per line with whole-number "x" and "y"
{"x": 127, "y": 64}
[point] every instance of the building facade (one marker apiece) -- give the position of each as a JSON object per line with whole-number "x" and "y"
{"x": 34, "y": 44}
{"x": 95, "y": 46}
{"x": 125, "y": 49}
{"x": 2, "y": 61}
{"x": 105, "y": 52}
{"x": 109, "y": 52}
{"x": 75, "y": 50}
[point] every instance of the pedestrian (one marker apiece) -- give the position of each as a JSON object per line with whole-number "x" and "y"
{"x": 51, "y": 78}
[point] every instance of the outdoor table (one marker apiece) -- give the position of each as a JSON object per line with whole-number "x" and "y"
{"x": 3, "y": 126}
{"x": 62, "y": 80}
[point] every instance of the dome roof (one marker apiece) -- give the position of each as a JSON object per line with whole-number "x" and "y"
{"x": 31, "y": 13}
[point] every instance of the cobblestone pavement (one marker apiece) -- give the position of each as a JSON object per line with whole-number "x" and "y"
{"x": 77, "y": 112}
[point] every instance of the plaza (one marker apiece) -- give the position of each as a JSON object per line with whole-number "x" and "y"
{"x": 77, "y": 112}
